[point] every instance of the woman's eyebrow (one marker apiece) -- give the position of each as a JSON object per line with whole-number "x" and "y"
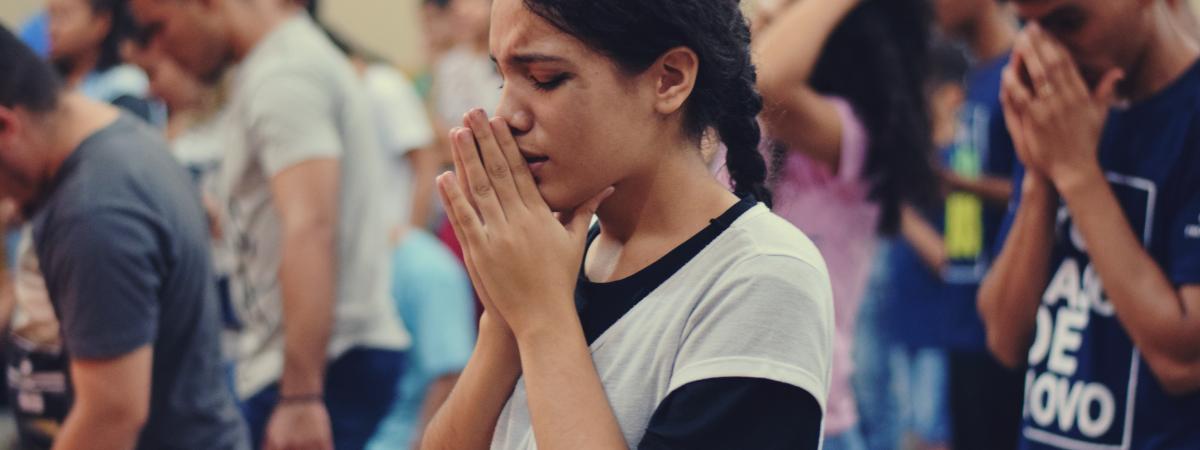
{"x": 530, "y": 58}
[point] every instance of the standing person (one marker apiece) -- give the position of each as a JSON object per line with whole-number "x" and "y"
{"x": 984, "y": 395}
{"x": 687, "y": 318}
{"x": 85, "y": 46}
{"x": 432, "y": 291}
{"x": 121, "y": 241}
{"x": 405, "y": 135}
{"x": 846, "y": 118}
{"x": 464, "y": 76}
{"x": 1097, "y": 287}
{"x": 84, "y": 38}
{"x": 915, "y": 298}
{"x": 320, "y": 348}
{"x": 37, "y": 366}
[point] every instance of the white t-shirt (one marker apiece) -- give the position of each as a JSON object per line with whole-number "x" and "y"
{"x": 295, "y": 98}
{"x": 403, "y": 126}
{"x": 755, "y": 303}
{"x": 463, "y": 80}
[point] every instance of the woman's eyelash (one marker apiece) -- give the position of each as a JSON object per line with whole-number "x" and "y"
{"x": 554, "y": 82}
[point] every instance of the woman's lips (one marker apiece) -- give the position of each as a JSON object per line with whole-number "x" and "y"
{"x": 535, "y": 164}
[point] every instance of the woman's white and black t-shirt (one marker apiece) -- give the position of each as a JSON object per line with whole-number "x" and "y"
{"x": 725, "y": 342}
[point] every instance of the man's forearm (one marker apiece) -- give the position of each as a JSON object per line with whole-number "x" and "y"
{"x": 925, "y": 239}
{"x": 307, "y": 276}
{"x": 1163, "y": 326}
{"x": 1010, "y": 295}
{"x": 994, "y": 190}
{"x": 89, "y": 429}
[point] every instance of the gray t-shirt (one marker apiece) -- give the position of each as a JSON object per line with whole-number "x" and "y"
{"x": 295, "y": 98}
{"x": 123, "y": 244}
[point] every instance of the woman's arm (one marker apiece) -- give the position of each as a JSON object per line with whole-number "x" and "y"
{"x": 468, "y": 417}
{"x": 786, "y": 55}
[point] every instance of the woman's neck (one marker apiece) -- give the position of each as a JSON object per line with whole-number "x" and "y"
{"x": 673, "y": 196}
{"x": 653, "y": 213}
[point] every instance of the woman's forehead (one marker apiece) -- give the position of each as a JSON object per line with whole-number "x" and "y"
{"x": 518, "y": 36}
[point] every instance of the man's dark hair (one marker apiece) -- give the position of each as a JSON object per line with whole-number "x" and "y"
{"x": 25, "y": 80}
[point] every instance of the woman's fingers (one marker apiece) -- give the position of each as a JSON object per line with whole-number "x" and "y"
{"x": 522, "y": 177}
{"x": 496, "y": 165}
{"x": 482, "y": 193}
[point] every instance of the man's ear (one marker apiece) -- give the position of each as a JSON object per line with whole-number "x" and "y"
{"x": 8, "y": 122}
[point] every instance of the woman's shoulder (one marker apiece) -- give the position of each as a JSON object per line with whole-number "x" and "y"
{"x": 760, "y": 234}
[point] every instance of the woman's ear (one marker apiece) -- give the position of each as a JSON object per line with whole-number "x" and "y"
{"x": 675, "y": 77}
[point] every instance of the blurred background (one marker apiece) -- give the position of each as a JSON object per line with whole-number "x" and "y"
{"x": 388, "y": 28}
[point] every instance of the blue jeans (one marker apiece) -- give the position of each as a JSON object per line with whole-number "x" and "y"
{"x": 360, "y": 387}
{"x": 879, "y": 421}
{"x": 923, "y": 381}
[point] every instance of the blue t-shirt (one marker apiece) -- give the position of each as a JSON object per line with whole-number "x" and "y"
{"x": 1087, "y": 386}
{"x": 433, "y": 295}
{"x": 969, "y": 226}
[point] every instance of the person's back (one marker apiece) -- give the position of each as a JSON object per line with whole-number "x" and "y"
{"x": 121, "y": 194}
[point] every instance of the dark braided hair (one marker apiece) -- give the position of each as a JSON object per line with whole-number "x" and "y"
{"x": 877, "y": 59}
{"x": 635, "y": 33}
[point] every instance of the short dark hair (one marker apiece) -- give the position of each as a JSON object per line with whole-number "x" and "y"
{"x": 25, "y": 79}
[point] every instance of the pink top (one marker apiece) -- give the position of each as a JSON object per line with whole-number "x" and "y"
{"x": 834, "y": 211}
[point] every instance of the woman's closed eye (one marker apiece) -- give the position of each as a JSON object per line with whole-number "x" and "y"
{"x": 548, "y": 84}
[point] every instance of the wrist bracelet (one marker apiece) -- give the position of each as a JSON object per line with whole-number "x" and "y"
{"x": 301, "y": 398}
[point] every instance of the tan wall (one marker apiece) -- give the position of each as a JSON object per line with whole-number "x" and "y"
{"x": 13, "y": 12}
{"x": 388, "y": 28}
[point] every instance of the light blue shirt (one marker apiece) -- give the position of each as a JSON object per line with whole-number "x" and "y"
{"x": 434, "y": 296}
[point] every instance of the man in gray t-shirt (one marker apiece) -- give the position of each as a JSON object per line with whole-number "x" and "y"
{"x": 123, "y": 245}
{"x": 301, "y": 199}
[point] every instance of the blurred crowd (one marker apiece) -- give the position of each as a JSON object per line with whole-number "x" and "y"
{"x": 1005, "y": 194}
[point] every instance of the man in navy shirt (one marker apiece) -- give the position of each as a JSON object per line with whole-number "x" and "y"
{"x": 1097, "y": 287}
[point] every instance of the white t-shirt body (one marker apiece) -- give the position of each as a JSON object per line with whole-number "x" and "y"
{"x": 402, "y": 126}
{"x": 755, "y": 303}
{"x": 296, "y": 98}
{"x": 463, "y": 80}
